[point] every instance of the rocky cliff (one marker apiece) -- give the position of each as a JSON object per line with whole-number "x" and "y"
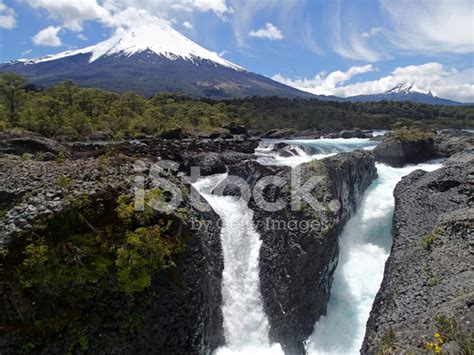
{"x": 300, "y": 248}
{"x": 82, "y": 272}
{"x": 425, "y": 303}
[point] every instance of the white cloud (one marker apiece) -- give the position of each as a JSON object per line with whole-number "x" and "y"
{"x": 123, "y": 13}
{"x": 372, "y": 32}
{"x": 324, "y": 83}
{"x": 187, "y": 24}
{"x": 443, "y": 82}
{"x": 441, "y": 26}
{"x": 48, "y": 37}
{"x": 7, "y": 17}
{"x": 71, "y": 12}
{"x": 269, "y": 31}
{"x": 82, "y": 37}
{"x": 217, "y": 6}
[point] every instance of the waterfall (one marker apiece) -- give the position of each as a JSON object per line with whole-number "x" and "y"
{"x": 364, "y": 246}
{"x": 245, "y": 322}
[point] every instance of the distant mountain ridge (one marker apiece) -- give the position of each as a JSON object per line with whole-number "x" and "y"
{"x": 150, "y": 59}
{"x": 405, "y": 92}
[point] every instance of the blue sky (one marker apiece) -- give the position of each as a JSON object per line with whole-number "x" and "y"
{"x": 329, "y": 47}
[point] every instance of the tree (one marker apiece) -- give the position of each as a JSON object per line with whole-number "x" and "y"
{"x": 12, "y": 90}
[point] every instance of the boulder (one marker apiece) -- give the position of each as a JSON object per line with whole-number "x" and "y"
{"x": 397, "y": 153}
{"x": 175, "y": 133}
{"x": 48, "y": 156}
{"x": 209, "y": 163}
{"x": 280, "y": 145}
{"x": 235, "y": 128}
{"x": 284, "y": 133}
{"x": 357, "y": 133}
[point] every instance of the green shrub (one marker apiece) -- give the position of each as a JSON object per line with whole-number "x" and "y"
{"x": 144, "y": 252}
{"x": 429, "y": 239}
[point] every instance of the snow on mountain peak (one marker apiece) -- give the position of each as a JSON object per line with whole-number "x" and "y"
{"x": 159, "y": 38}
{"x": 406, "y": 88}
{"x": 402, "y": 88}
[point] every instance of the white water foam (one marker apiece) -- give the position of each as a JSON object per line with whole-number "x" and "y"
{"x": 364, "y": 246}
{"x": 304, "y": 150}
{"x": 245, "y": 322}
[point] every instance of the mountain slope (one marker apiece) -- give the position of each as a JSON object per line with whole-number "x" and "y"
{"x": 405, "y": 92}
{"x": 150, "y": 59}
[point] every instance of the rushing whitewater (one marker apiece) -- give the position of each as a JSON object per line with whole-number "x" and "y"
{"x": 245, "y": 323}
{"x": 364, "y": 246}
{"x": 304, "y": 150}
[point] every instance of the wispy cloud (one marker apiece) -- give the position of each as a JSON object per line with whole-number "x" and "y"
{"x": 346, "y": 39}
{"x": 441, "y": 81}
{"x": 441, "y": 26}
{"x": 372, "y": 32}
{"x": 28, "y": 51}
{"x": 269, "y": 31}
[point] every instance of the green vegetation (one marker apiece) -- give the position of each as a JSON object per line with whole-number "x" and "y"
{"x": 429, "y": 239}
{"x": 388, "y": 343}
{"x": 68, "y": 110}
{"x": 448, "y": 330}
{"x": 93, "y": 259}
{"x": 413, "y": 133}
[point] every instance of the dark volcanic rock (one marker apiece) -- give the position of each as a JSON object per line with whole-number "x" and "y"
{"x": 352, "y": 134}
{"x": 154, "y": 148}
{"x": 400, "y": 152}
{"x": 179, "y": 313}
{"x": 428, "y": 284}
{"x": 449, "y": 144}
{"x": 235, "y": 128}
{"x": 283, "y": 133}
{"x": 298, "y": 257}
{"x": 356, "y": 133}
{"x": 209, "y": 163}
{"x": 30, "y": 145}
{"x": 306, "y": 134}
{"x": 175, "y": 133}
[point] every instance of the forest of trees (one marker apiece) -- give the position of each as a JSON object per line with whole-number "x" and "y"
{"x": 68, "y": 110}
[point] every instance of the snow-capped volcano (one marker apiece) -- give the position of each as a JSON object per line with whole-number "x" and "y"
{"x": 406, "y": 88}
{"x": 148, "y": 59}
{"x": 405, "y": 91}
{"x": 160, "y": 39}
